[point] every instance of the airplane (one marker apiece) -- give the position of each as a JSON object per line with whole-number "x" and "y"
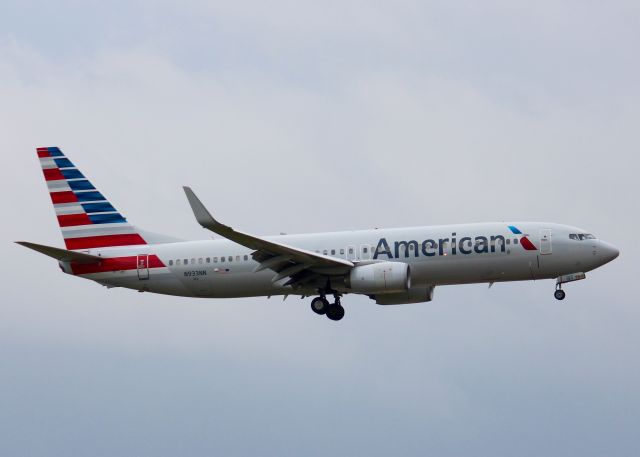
{"x": 390, "y": 266}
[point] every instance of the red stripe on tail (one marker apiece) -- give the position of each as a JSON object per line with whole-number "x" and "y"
{"x": 104, "y": 241}
{"x": 68, "y": 220}
{"x": 63, "y": 197}
{"x": 52, "y": 174}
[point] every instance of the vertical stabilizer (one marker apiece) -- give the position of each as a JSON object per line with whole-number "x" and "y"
{"x": 86, "y": 218}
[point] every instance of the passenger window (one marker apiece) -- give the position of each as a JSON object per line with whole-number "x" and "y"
{"x": 230, "y": 258}
{"x": 246, "y": 257}
{"x": 170, "y": 262}
{"x": 208, "y": 259}
{"x": 215, "y": 260}
{"x": 237, "y": 258}
{"x": 515, "y": 241}
{"x": 350, "y": 250}
{"x": 341, "y": 251}
{"x": 193, "y": 261}
{"x": 178, "y": 262}
{"x": 508, "y": 241}
{"x": 200, "y": 260}
{"x": 186, "y": 261}
{"x": 333, "y": 252}
{"x": 221, "y": 259}
{"x": 366, "y": 249}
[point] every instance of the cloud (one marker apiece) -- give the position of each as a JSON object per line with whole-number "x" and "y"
{"x": 305, "y": 117}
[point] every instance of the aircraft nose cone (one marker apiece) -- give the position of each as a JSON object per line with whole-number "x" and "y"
{"x": 608, "y": 252}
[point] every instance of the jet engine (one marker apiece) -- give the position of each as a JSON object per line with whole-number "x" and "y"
{"x": 381, "y": 277}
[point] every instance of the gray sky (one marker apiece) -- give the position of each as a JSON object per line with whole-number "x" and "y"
{"x": 311, "y": 116}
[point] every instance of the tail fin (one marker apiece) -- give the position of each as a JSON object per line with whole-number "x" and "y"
{"x": 87, "y": 220}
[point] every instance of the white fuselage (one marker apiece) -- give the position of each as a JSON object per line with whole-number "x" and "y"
{"x": 437, "y": 255}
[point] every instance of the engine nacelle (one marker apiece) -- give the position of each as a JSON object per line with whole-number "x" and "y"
{"x": 382, "y": 277}
{"x": 413, "y": 295}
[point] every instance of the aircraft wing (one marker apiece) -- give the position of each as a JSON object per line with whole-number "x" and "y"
{"x": 299, "y": 264}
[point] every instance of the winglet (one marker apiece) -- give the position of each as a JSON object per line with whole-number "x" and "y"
{"x": 302, "y": 256}
{"x": 201, "y": 213}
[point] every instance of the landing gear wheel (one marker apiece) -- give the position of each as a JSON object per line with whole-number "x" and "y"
{"x": 335, "y": 312}
{"x": 319, "y": 305}
{"x": 559, "y": 294}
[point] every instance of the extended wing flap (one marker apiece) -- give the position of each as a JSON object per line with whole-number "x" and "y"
{"x": 61, "y": 254}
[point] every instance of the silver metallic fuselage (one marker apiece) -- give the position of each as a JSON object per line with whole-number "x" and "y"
{"x": 443, "y": 263}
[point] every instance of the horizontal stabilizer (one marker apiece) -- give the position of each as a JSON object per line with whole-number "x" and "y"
{"x": 61, "y": 254}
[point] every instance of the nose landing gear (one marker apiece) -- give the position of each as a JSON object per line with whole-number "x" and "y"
{"x": 559, "y": 293}
{"x": 334, "y": 311}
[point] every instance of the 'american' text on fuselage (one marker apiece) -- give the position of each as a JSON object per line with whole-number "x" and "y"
{"x": 430, "y": 247}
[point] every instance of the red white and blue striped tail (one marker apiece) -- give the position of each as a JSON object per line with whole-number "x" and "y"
{"x": 86, "y": 218}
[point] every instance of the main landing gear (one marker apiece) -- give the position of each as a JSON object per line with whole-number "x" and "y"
{"x": 334, "y": 311}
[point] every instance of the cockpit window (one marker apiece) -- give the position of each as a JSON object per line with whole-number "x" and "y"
{"x": 582, "y": 236}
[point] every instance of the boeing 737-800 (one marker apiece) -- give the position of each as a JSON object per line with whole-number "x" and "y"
{"x": 390, "y": 266}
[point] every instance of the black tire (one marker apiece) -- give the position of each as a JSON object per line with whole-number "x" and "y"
{"x": 559, "y": 294}
{"x": 319, "y": 305}
{"x": 335, "y": 312}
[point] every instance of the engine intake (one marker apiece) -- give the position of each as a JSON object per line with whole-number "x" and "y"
{"x": 382, "y": 277}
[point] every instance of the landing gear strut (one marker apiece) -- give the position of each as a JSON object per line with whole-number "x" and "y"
{"x": 559, "y": 293}
{"x": 334, "y": 311}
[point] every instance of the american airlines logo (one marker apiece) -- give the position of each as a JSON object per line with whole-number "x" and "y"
{"x": 454, "y": 246}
